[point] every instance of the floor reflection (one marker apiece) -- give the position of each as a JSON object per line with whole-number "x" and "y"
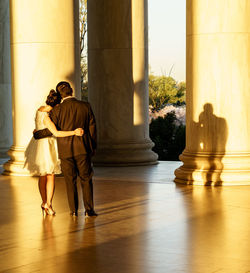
{"x": 206, "y": 228}
{"x": 218, "y": 230}
{"x": 142, "y": 227}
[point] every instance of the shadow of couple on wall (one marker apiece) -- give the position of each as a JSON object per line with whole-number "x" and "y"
{"x": 209, "y": 141}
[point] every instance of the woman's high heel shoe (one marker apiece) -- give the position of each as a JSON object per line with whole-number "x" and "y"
{"x": 43, "y": 208}
{"x": 48, "y": 210}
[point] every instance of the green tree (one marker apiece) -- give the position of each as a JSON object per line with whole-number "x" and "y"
{"x": 163, "y": 90}
{"x": 168, "y": 137}
{"x": 83, "y": 48}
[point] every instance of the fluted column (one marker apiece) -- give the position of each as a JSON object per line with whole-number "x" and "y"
{"x": 44, "y": 51}
{"x": 5, "y": 81}
{"x": 118, "y": 81}
{"x": 218, "y": 114}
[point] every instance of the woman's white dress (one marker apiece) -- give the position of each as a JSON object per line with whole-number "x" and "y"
{"x": 41, "y": 155}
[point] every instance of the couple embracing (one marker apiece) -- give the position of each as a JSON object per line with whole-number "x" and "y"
{"x": 64, "y": 140}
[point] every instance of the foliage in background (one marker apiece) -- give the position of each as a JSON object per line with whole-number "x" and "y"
{"x": 83, "y": 50}
{"x": 167, "y": 114}
{"x": 168, "y": 134}
{"x": 180, "y": 112}
{"x": 165, "y": 90}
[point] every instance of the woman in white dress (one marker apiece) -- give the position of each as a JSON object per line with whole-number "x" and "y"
{"x": 41, "y": 156}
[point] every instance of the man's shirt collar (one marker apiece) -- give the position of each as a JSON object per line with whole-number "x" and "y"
{"x": 69, "y": 97}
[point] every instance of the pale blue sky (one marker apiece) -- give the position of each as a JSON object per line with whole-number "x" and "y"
{"x": 167, "y": 37}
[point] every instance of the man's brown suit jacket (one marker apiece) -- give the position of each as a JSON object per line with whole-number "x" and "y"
{"x": 68, "y": 116}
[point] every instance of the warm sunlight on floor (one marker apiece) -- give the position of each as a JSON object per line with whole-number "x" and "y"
{"x": 146, "y": 224}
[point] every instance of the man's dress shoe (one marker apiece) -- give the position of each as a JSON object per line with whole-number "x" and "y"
{"x": 90, "y": 213}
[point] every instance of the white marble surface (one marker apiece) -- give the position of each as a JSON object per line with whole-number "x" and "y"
{"x": 217, "y": 122}
{"x": 141, "y": 227}
{"x": 44, "y": 51}
{"x": 118, "y": 87}
{"x": 163, "y": 172}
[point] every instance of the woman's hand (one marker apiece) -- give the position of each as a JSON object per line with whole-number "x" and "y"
{"x": 79, "y": 132}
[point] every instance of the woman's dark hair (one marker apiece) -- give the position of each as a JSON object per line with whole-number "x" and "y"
{"x": 64, "y": 89}
{"x": 53, "y": 98}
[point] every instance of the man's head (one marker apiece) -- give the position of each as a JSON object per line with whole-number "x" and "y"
{"x": 64, "y": 89}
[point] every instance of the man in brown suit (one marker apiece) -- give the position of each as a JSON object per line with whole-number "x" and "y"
{"x": 75, "y": 152}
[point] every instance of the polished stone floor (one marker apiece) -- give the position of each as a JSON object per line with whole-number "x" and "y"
{"x": 146, "y": 224}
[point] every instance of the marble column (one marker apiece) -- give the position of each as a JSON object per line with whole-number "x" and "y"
{"x": 218, "y": 114}
{"x": 44, "y": 50}
{"x": 118, "y": 81}
{"x": 5, "y": 81}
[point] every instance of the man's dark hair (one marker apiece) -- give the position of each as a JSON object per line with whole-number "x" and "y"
{"x": 64, "y": 89}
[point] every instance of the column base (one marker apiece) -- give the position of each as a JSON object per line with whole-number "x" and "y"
{"x": 130, "y": 154}
{"x": 214, "y": 169}
{"x": 15, "y": 166}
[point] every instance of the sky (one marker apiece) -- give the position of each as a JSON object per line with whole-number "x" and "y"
{"x": 167, "y": 38}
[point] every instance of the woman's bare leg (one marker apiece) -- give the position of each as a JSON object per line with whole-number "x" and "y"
{"x": 50, "y": 187}
{"x": 42, "y": 188}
